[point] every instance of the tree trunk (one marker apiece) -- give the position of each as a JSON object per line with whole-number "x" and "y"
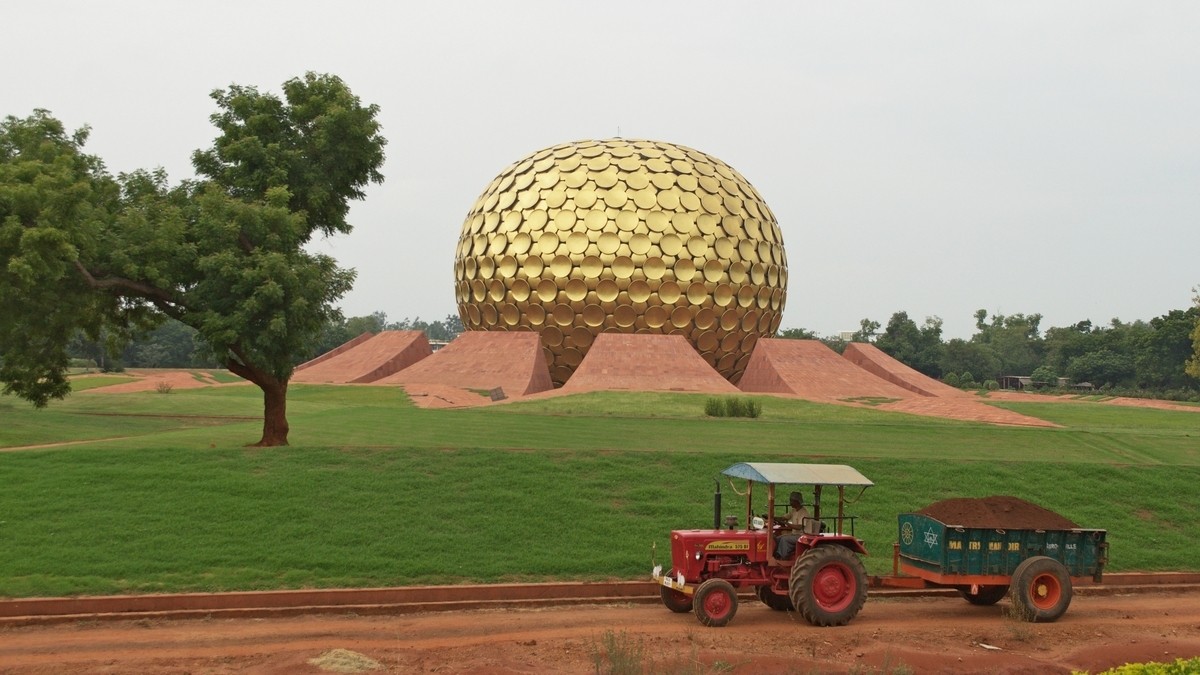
{"x": 275, "y": 424}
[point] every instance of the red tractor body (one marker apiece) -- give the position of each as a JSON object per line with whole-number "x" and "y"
{"x": 821, "y": 575}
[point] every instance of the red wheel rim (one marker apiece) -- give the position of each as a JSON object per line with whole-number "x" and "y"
{"x": 833, "y": 587}
{"x": 1045, "y": 591}
{"x": 717, "y": 605}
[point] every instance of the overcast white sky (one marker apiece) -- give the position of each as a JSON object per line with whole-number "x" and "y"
{"x": 932, "y": 157}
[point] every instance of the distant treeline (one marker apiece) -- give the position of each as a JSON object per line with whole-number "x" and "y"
{"x": 1142, "y": 357}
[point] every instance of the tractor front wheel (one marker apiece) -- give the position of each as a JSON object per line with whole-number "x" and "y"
{"x": 828, "y": 585}
{"x": 1041, "y": 589}
{"x": 676, "y": 601}
{"x": 715, "y": 603}
{"x": 987, "y": 595}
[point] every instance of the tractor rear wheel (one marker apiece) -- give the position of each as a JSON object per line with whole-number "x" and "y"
{"x": 828, "y": 585}
{"x": 715, "y": 603}
{"x": 676, "y": 601}
{"x": 1041, "y": 589}
{"x": 777, "y": 602}
{"x": 987, "y": 595}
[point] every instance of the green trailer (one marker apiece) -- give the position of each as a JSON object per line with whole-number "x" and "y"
{"x": 1035, "y": 567}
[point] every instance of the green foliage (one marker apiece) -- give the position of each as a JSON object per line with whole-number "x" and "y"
{"x": 224, "y": 255}
{"x": 1045, "y": 374}
{"x": 918, "y": 348}
{"x": 991, "y": 385}
{"x": 1176, "y": 667}
{"x": 951, "y": 379}
{"x": 733, "y": 406}
{"x": 796, "y": 334}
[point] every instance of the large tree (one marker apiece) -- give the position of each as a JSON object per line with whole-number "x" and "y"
{"x": 224, "y": 254}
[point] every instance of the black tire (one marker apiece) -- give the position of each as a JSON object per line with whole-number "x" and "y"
{"x": 987, "y": 595}
{"x": 828, "y": 585}
{"x": 676, "y": 601}
{"x": 1041, "y": 589}
{"x": 715, "y": 603}
{"x": 777, "y": 602}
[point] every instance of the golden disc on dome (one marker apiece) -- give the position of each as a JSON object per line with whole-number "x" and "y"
{"x": 627, "y": 220}
{"x": 555, "y": 198}
{"x": 591, "y": 149}
{"x": 595, "y": 219}
{"x": 606, "y": 179}
{"x": 547, "y": 290}
{"x": 543, "y": 163}
{"x": 520, "y": 243}
{"x": 496, "y": 244}
{"x": 753, "y": 228}
{"x": 490, "y": 315}
{"x": 749, "y": 320}
{"x": 509, "y": 314}
{"x": 663, "y": 181}
{"x": 777, "y": 299}
{"x": 707, "y": 223}
{"x": 645, "y": 199}
{"x": 576, "y": 290}
{"x": 669, "y": 292}
{"x": 593, "y": 316}
{"x": 657, "y": 165}
{"x": 532, "y": 266}
{"x": 723, "y": 295}
{"x": 607, "y": 290}
{"x": 576, "y": 178}
{"x": 737, "y": 272}
{"x": 639, "y": 243}
{"x": 681, "y": 317}
{"x": 764, "y": 297}
{"x": 730, "y": 319}
{"x": 552, "y": 336}
{"x": 637, "y": 181}
{"x": 697, "y": 293}
{"x": 707, "y": 341}
{"x": 591, "y": 266}
{"x": 520, "y": 290}
{"x": 616, "y": 197}
{"x": 487, "y": 267}
{"x": 748, "y": 251}
{"x": 624, "y": 316}
{"x": 629, "y": 163}
{"x": 585, "y": 198}
{"x": 712, "y": 204}
{"x": 658, "y": 221}
{"x": 668, "y": 199}
{"x": 618, "y": 148}
{"x": 697, "y": 246}
{"x": 581, "y": 337}
{"x": 569, "y": 162}
{"x": 670, "y": 244}
{"x": 572, "y": 357}
{"x": 724, "y": 247}
{"x": 560, "y": 266}
{"x": 654, "y": 268}
{"x": 562, "y": 314}
{"x": 599, "y": 162}
{"x": 507, "y": 267}
{"x": 758, "y": 273}
{"x": 536, "y": 314}
{"x": 684, "y": 223}
{"x": 714, "y": 270}
{"x": 682, "y": 166}
{"x": 577, "y": 242}
{"x": 639, "y": 291}
{"x": 528, "y": 198}
{"x": 655, "y": 316}
{"x": 745, "y": 296}
{"x": 470, "y": 268}
{"x": 548, "y": 178}
{"x": 684, "y": 269}
{"x": 564, "y": 220}
{"x": 473, "y": 317}
{"x": 705, "y": 318}
{"x": 608, "y": 242}
{"x": 622, "y": 267}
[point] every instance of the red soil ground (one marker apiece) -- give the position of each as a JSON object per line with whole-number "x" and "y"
{"x": 368, "y": 359}
{"x": 999, "y": 511}
{"x": 645, "y": 363}
{"x": 926, "y": 635}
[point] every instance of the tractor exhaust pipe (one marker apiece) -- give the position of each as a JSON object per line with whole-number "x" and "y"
{"x": 717, "y": 505}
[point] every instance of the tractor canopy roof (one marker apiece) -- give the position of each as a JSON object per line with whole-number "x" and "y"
{"x": 798, "y": 474}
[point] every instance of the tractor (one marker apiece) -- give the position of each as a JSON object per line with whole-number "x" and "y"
{"x": 822, "y": 578}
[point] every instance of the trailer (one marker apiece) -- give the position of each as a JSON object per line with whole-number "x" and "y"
{"x": 1034, "y": 567}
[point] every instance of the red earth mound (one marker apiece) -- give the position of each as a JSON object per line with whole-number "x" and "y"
{"x": 1000, "y": 512}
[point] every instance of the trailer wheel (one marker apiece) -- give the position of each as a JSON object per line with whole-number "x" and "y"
{"x": 676, "y": 601}
{"x": 987, "y": 595}
{"x": 715, "y": 603}
{"x": 1041, "y": 589}
{"x": 828, "y": 584}
{"x": 777, "y": 602}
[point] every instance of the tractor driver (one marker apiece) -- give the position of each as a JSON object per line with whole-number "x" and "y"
{"x": 797, "y": 521}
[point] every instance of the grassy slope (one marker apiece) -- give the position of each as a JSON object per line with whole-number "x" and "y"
{"x": 375, "y": 492}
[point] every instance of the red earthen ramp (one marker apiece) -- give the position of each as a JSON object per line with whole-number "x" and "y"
{"x": 483, "y": 360}
{"x": 366, "y": 358}
{"x": 645, "y": 363}
{"x": 811, "y": 370}
{"x": 873, "y": 360}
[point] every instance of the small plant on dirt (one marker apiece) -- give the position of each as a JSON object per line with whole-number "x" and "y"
{"x": 163, "y": 387}
{"x": 619, "y": 654}
{"x": 732, "y": 406}
{"x": 1019, "y": 620}
{"x": 888, "y": 668}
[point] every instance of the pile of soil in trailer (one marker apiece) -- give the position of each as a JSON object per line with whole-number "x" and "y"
{"x": 999, "y": 512}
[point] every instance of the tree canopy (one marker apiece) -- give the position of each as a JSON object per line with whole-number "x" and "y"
{"x": 223, "y": 254}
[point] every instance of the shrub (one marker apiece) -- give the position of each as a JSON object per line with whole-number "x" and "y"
{"x": 991, "y": 385}
{"x": 732, "y": 406}
{"x": 714, "y": 407}
{"x": 951, "y": 379}
{"x": 163, "y": 387}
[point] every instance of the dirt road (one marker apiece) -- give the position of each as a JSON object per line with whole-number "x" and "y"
{"x": 928, "y": 635}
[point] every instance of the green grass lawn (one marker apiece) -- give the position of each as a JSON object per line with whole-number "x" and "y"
{"x": 376, "y": 492}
